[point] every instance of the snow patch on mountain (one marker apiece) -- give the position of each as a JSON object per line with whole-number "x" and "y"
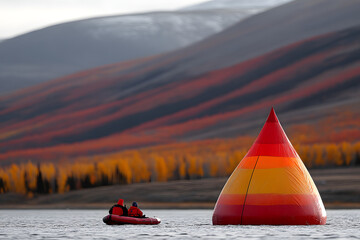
{"x": 250, "y": 5}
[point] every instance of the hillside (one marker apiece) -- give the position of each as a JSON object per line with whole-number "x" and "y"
{"x": 66, "y": 48}
{"x": 70, "y": 47}
{"x": 218, "y": 88}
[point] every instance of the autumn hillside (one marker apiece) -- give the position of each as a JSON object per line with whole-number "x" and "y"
{"x": 313, "y": 85}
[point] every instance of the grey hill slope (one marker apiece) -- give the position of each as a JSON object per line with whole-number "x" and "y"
{"x": 66, "y": 48}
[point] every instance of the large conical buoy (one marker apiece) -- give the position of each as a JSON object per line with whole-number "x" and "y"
{"x": 270, "y": 185}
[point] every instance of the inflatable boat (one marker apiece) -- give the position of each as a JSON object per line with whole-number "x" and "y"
{"x": 120, "y": 220}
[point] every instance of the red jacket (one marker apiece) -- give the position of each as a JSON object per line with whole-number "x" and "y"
{"x": 116, "y": 210}
{"x": 135, "y": 212}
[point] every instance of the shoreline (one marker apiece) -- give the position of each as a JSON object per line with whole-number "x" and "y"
{"x": 339, "y": 189}
{"x": 150, "y": 205}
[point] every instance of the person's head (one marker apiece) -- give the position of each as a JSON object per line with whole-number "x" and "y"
{"x": 134, "y": 204}
{"x": 121, "y": 202}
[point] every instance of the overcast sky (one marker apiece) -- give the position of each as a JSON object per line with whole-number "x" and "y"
{"x": 20, "y": 16}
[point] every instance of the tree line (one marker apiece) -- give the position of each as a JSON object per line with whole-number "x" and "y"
{"x": 212, "y": 158}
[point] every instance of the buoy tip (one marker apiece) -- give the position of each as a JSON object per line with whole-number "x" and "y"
{"x": 272, "y": 116}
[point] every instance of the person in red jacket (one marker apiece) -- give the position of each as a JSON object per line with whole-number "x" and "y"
{"x": 119, "y": 209}
{"x": 134, "y": 211}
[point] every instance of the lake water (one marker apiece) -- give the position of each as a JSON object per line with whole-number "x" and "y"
{"x": 176, "y": 224}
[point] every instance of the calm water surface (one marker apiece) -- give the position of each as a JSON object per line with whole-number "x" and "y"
{"x": 176, "y": 224}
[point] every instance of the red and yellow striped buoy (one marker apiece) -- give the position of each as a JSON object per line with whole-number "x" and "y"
{"x": 270, "y": 185}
